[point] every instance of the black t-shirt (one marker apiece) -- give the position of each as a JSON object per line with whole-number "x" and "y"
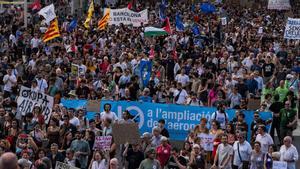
{"x": 242, "y": 89}
{"x": 83, "y": 92}
{"x": 165, "y": 133}
{"x": 172, "y": 164}
{"x": 134, "y": 159}
{"x": 276, "y": 107}
{"x": 268, "y": 69}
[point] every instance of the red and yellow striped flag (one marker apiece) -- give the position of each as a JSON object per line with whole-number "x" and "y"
{"x": 104, "y": 20}
{"x": 52, "y": 31}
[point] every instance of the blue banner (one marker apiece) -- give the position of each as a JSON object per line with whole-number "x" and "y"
{"x": 179, "y": 119}
{"x": 145, "y": 71}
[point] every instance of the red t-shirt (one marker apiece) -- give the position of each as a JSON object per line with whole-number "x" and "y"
{"x": 163, "y": 154}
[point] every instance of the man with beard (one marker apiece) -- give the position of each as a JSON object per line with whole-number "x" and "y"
{"x": 81, "y": 149}
{"x": 224, "y": 154}
{"x": 150, "y": 162}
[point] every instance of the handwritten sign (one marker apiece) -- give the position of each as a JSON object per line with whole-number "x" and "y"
{"x": 292, "y": 29}
{"x": 207, "y": 141}
{"x": 60, "y": 165}
{"x": 279, "y": 4}
{"x": 279, "y": 165}
{"x": 28, "y": 99}
{"x": 102, "y": 142}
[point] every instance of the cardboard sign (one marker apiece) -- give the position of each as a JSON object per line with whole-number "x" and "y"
{"x": 126, "y": 133}
{"x": 292, "y": 29}
{"x": 60, "y": 165}
{"x": 28, "y": 99}
{"x": 102, "y": 143}
{"x": 207, "y": 141}
{"x": 279, "y": 4}
{"x": 279, "y": 165}
{"x": 93, "y": 106}
{"x": 253, "y": 104}
{"x": 75, "y": 70}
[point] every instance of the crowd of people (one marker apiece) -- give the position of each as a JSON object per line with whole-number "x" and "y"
{"x": 225, "y": 66}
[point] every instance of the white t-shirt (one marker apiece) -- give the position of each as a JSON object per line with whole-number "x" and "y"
{"x": 182, "y": 96}
{"x": 99, "y": 165}
{"x": 183, "y": 79}
{"x": 35, "y": 42}
{"x": 32, "y": 63}
{"x": 110, "y": 115}
{"x": 245, "y": 152}
{"x": 223, "y": 153}
{"x": 221, "y": 118}
{"x": 10, "y": 79}
{"x": 265, "y": 140}
{"x": 290, "y": 153}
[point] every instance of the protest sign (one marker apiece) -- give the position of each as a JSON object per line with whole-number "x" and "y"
{"x": 207, "y": 141}
{"x": 292, "y": 29}
{"x": 60, "y": 165}
{"x": 102, "y": 143}
{"x": 279, "y": 165}
{"x": 224, "y": 21}
{"x": 128, "y": 17}
{"x": 253, "y": 104}
{"x": 28, "y": 99}
{"x": 279, "y": 4}
{"x": 93, "y": 106}
{"x": 74, "y": 70}
{"x": 126, "y": 133}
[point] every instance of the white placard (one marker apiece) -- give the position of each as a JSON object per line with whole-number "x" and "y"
{"x": 128, "y": 17}
{"x": 279, "y": 165}
{"x": 292, "y": 29}
{"x": 224, "y": 21}
{"x": 279, "y": 4}
{"x": 102, "y": 143}
{"x": 28, "y": 99}
{"x": 60, "y": 165}
{"x": 207, "y": 141}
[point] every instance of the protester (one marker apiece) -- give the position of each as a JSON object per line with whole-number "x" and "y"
{"x": 231, "y": 55}
{"x": 289, "y": 153}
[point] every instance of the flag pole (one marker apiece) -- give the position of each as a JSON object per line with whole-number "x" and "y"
{"x": 25, "y": 13}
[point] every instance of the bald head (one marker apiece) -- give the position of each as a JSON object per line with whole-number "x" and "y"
{"x": 8, "y": 161}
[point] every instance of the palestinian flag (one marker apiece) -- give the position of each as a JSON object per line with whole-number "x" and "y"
{"x": 152, "y": 31}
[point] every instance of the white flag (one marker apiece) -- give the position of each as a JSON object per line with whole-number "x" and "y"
{"x": 48, "y": 13}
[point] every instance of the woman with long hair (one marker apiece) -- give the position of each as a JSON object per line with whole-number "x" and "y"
{"x": 98, "y": 161}
{"x": 53, "y": 131}
{"x": 230, "y": 133}
{"x": 68, "y": 138}
{"x": 39, "y": 155}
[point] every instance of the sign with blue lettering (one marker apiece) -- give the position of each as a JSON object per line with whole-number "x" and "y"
{"x": 179, "y": 119}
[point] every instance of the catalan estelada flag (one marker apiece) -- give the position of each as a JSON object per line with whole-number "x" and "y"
{"x": 104, "y": 20}
{"x": 52, "y": 31}
{"x": 89, "y": 15}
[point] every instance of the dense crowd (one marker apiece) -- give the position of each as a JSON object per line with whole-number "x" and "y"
{"x": 225, "y": 66}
